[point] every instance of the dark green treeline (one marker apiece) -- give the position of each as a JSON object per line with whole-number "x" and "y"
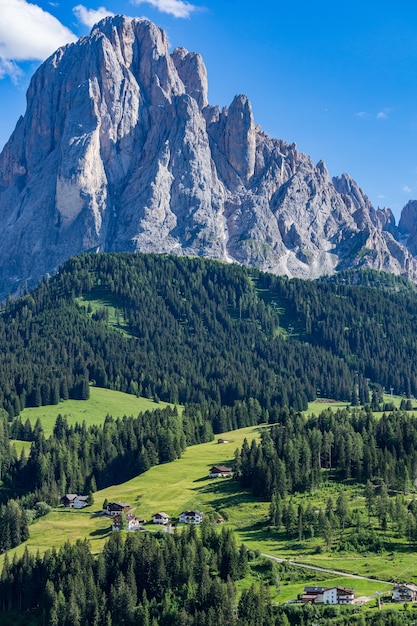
{"x": 296, "y": 452}
{"x": 197, "y": 330}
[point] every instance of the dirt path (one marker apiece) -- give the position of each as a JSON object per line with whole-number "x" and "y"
{"x": 327, "y": 571}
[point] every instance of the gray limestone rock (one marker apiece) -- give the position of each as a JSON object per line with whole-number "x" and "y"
{"x": 120, "y": 150}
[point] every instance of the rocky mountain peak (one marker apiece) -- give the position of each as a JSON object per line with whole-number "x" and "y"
{"x": 119, "y": 149}
{"x": 240, "y": 140}
{"x": 193, "y": 73}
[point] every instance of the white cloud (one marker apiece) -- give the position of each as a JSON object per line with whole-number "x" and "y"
{"x": 177, "y": 8}
{"x": 28, "y": 33}
{"x": 8, "y": 68}
{"x": 362, "y": 114}
{"x": 407, "y": 189}
{"x": 89, "y": 17}
{"x": 381, "y": 115}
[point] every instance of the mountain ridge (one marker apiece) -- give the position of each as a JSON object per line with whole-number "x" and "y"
{"x": 119, "y": 150}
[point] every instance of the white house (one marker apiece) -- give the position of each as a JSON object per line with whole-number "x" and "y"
{"x": 161, "y": 518}
{"x": 328, "y": 595}
{"x": 338, "y": 595}
{"x": 191, "y": 517}
{"x": 404, "y": 592}
{"x": 132, "y": 522}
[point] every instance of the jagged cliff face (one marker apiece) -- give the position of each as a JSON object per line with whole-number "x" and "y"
{"x": 120, "y": 150}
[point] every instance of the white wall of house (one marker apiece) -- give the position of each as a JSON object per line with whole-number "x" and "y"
{"x": 330, "y": 596}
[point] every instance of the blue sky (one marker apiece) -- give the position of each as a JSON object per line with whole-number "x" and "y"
{"x": 337, "y": 78}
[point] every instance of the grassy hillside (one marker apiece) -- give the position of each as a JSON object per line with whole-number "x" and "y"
{"x": 101, "y": 402}
{"x": 192, "y": 330}
{"x": 234, "y": 346}
{"x": 173, "y": 487}
{"x": 104, "y": 402}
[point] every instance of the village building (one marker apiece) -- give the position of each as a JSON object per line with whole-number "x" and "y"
{"x": 133, "y": 522}
{"x": 327, "y": 595}
{"x": 117, "y": 522}
{"x": 191, "y": 517}
{"x": 129, "y": 522}
{"x": 161, "y": 518}
{"x": 404, "y": 592}
{"x": 115, "y": 508}
{"x": 220, "y": 471}
{"x": 221, "y": 440}
{"x": 74, "y": 501}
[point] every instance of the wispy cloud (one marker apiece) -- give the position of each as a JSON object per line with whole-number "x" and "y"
{"x": 28, "y": 33}
{"x": 380, "y": 115}
{"x": 407, "y": 189}
{"x": 89, "y": 17}
{"x": 9, "y": 68}
{"x": 177, "y": 8}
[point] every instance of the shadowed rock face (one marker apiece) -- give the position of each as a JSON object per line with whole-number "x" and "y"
{"x": 119, "y": 150}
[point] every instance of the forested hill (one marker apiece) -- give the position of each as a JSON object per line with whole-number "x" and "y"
{"x": 193, "y": 330}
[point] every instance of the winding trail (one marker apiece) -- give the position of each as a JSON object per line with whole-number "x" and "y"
{"x": 327, "y": 571}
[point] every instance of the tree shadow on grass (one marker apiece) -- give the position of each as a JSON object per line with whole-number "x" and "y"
{"x": 259, "y": 533}
{"x": 225, "y": 493}
{"x": 100, "y": 532}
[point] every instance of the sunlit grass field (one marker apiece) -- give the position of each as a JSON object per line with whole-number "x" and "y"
{"x": 101, "y": 402}
{"x": 184, "y": 483}
{"x": 171, "y": 487}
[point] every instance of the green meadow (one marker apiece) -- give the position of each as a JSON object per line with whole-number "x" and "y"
{"x": 184, "y": 483}
{"x": 322, "y": 404}
{"x": 171, "y": 487}
{"x": 21, "y": 445}
{"x": 104, "y": 402}
{"x": 102, "y": 299}
{"x": 101, "y": 402}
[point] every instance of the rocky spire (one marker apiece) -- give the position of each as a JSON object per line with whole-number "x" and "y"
{"x": 120, "y": 150}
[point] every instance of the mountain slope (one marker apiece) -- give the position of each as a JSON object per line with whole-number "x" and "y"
{"x": 119, "y": 150}
{"x": 200, "y": 331}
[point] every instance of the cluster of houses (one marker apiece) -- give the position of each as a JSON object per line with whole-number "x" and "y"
{"x": 186, "y": 517}
{"x": 119, "y": 510}
{"x": 123, "y": 518}
{"x": 402, "y": 592}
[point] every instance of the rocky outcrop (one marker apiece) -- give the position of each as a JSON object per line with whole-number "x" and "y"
{"x": 120, "y": 150}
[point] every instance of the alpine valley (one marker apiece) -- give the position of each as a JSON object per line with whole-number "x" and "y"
{"x": 155, "y": 253}
{"x": 119, "y": 150}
